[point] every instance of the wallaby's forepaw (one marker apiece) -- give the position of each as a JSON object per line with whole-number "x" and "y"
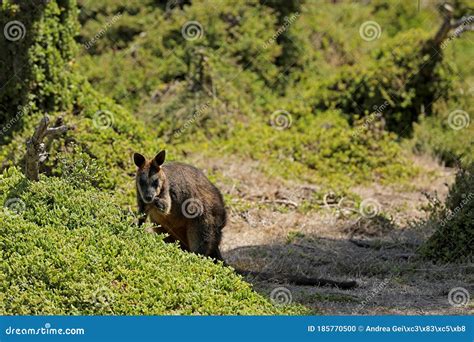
{"x": 161, "y": 205}
{"x": 141, "y": 220}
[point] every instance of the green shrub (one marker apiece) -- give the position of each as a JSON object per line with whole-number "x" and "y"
{"x": 401, "y": 73}
{"x": 448, "y": 135}
{"x": 434, "y": 136}
{"x": 104, "y": 131}
{"x": 72, "y": 248}
{"x": 322, "y": 149}
{"x": 74, "y": 251}
{"x": 453, "y": 222}
{"x": 49, "y": 83}
{"x": 38, "y": 58}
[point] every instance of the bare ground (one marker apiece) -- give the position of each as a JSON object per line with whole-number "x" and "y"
{"x": 269, "y": 231}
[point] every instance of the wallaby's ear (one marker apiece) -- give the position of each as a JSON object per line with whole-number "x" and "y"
{"x": 159, "y": 158}
{"x": 139, "y": 159}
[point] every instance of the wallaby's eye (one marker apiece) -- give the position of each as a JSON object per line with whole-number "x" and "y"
{"x": 155, "y": 183}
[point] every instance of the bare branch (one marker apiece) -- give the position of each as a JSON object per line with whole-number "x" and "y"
{"x": 464, "y": 21}
{"x": 55, "y": 132}
{"x": 35, "y": 147}
{"x": 282, "y": 201}
{"x": 447, "y": 11}
{"x": 459, "y": 26}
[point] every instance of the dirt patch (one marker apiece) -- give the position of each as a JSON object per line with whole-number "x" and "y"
{"x": 270, "y": 233}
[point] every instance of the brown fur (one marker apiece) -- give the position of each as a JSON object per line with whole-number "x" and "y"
{"x": 185, "y": 204}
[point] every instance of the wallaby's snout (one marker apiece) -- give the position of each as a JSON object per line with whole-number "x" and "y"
{"x": 148, "y": 198}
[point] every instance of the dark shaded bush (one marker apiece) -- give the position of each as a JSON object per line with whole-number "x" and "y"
{"x": 453, "y": 239}
{"x": 36, "y": 58}
{"x": 404, "y": 73}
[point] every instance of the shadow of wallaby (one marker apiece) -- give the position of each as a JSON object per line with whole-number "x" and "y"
{"x": 330, "y": 258}
{"x": 300, "y": 264}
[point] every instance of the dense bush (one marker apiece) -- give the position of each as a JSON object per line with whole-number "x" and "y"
{"x": 453, "y": 238}
{"x": 73, "y": 250}
{"x": 104, "y": 131}
{"x": 401, "y": 74}
{"x": 451, "y": 146}
{"x": 36, "y": 58}
{"x": 51, "y": 84}
{"x": 448, "y": 135}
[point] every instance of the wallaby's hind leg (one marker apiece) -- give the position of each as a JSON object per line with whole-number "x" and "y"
{"x": 216, "y": 255}
{"x": 215, "y": 251}
{"x": 204, "y": 239}
{"x": 198, "y": 240}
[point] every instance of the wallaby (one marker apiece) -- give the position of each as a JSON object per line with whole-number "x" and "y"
{"x": 190, "y": 209}
{"x": 183, "y": 202}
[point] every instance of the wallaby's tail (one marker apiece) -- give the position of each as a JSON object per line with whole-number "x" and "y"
{"x": 299, "y": 280}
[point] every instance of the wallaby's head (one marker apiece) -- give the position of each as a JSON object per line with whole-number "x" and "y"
{"x": 149, "y": 176}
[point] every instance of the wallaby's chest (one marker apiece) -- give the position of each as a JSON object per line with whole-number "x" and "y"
{"x": 173, "y": 225}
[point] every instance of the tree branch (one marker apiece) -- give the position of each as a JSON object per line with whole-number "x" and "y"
{"x": 35, "y": 147}
{"x": 459, "y": 26}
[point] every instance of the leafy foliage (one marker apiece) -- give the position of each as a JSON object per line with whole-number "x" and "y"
{"x": 69, "y": 250}
{"x": 401, "y": 73}
{"x": 38, "y": 65}
{"x": 193, "y": 91}
{"x": 454, "y": 222}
